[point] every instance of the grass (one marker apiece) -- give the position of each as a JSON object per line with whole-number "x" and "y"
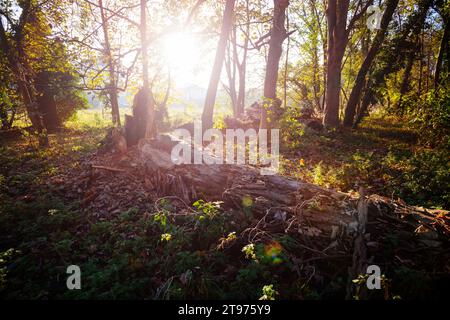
{"x": 84, "y": 120}
{"x": 383, "y": 156}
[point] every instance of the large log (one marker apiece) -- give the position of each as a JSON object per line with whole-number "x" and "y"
{"x": 267, "y": 196}
{"x": 243, "y": 187}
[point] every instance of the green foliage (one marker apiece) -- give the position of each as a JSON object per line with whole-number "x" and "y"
{"x": 209, "y": 209}
{"x": 161, "y": 217}
{"x": 5, "y": 259}
{"x": 412, "y": 282}
{"x": 50, "y": 69}
{"x": 426, "y": 180}
{"x": 294, "y": 130}
{"x": 430, "y": 115}
{"x": 7, "y": 108}
{"x": 166, "y": 237}
{"x": 269, "y": 293}
{"x": 249, "y": 251}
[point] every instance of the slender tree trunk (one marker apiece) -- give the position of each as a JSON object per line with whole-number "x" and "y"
{"x": 286, "y": 63}
{"x": 355, "y": 95}
{"x": 325, "y": 68}
{"x": 208, "y": 109}
{"x": 147, "y": 100}
{"x": 230, "y": 66}
{"x": 144, "y": 44}
{"x": 444, "y": 50}
{"x": 365, "y": 103}
{"x": 277, "y": 36}
{"x": 242, "y": 78}
{"x": 316, "y": 79}
{"x": 242, "y": 67}
{"x": 406, "y": 75}
{"x": 112, "y": 73}
{"x": 316, "y": 72}
{"x": 419, "y": 89}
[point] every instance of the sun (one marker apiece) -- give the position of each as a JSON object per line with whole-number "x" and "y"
{"x": 182, "y": 53}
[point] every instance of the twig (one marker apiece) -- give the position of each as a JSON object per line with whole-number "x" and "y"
{"x": 108, "y": 168}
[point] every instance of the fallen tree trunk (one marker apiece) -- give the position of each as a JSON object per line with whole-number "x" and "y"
{"x": 242, "y": 187}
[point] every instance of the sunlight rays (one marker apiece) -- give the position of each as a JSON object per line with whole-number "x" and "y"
{"x": 182, "y": 51}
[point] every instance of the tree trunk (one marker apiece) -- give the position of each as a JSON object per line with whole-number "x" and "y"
{"x": 111, "y": 66}
{"x": 421, "y": 56}
{"x": 444, "y": 54}
{"x": 337, "y": 41}
{"x": 316, "y": 79}
{"x": 242, "y": 67}
{"x": 230, "y": 67}
{"x": 46, "y": 101}
{"x": 365, "y": 103}
{"x": 355, "y": 95}
{"x": 208, "y": 109}
{"x": 406, "y": 75}
{"x": 325, "y": 68}
{"x": 4, "y": 116}
{"x": 146, "y": 96}
{"x": 267, "y": 196}
{"x": 277, "y": 36}
{"x": 47, "y": 107}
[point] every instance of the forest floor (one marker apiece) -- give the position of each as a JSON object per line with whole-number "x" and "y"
{"x": 143, "y": 247}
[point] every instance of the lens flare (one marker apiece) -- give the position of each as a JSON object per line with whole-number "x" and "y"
{"x": 272, "y": 251}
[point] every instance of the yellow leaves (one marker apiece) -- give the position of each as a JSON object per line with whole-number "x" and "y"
{"x": 247, "y": 201}
{"x": 223, "y": 242}
{"x": 166, "y": 237}
{"x": 302, "y": 162}
{"x": 249, "y": 251}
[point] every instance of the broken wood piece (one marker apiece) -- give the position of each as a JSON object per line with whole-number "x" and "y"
{"x": 108, "y": 168}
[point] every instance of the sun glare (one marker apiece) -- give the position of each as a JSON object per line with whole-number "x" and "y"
{"x": 182, "y": 52}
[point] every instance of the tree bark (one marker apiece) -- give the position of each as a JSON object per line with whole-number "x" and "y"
{"x": 404, "y": 87}
{"x": 242, "y": 67}
{"x": 111, "y": 66}
{"x": 46, "y": 102}
{"x": 230, "y": 67}
{"x": 267, "y": 195}
{"x": 337, "y": 41}
{"x": 208, "y": 109}
{"x": 355, "y": 95}
{"x": 277, "y": 36}
{"x": 145, "y": 94}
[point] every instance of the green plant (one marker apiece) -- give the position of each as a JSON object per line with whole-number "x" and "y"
{"x": 430, "y": 114}
{"x": 427, "y": 177}
{"x": 209, "y": 209}
{"x": 161, "y": 217}
{"x": 249, "y": 251}
{"x": 385, "y": 284}
{"x": 269, "y": 293}
{"x": 166, "y": 237}
{"x": 5, "y": 258}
